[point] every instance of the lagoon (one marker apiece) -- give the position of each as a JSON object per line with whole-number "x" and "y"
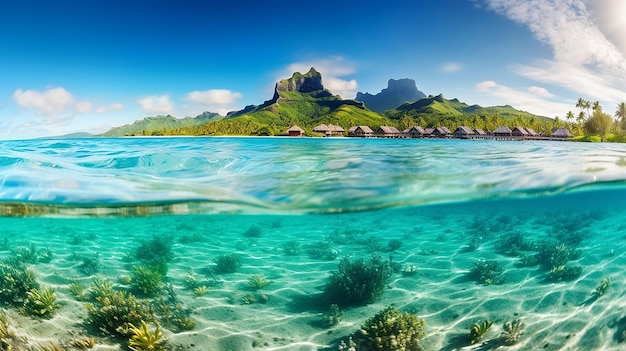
{"x": 292, "y": 209}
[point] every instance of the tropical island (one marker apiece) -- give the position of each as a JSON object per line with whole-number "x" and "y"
{"x": 302, "y": 104}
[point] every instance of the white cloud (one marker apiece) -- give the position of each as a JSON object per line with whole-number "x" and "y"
{"x": 333, "y": 70}
{"x": 534, "y": 99}
{"x": 539, "y": 91}
{"x": 585, "y": 60}
{"x": 48, "y": 102}
{"x": 83, "y": 107}
{"x": 213, "y": 96}
{"x": 451, "y": 67}
{"x": 156, "y": 104}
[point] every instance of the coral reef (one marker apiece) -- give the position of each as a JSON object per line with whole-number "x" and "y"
{"x": 478, "y": 330}
{"x": 358, "y": 282}
{"x": 142, "y": 339}
{"x": 390, "y": 330}
{"x": 322, "y": 250}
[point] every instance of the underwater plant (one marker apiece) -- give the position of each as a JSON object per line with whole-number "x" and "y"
{"x": 50, "y": 346}
{"x": 77, "y": 290}
{"x": 322, "y": 250}
{"x": 552, "y": 255}
{"x": 172, "y": 311}
{"x": 142, "y": 339}
{"x": 111, "y": 311}
{"x": 334, "y": 315}
{"x": 16, "y": 280}
{"x": 512, "y": 244}
{"x": 291, "y": 248}
{"x": 566, "y": 272}
{"x": 250, "y": 299}
{"x": 254, "y": 231}
{"x": 258, "y": 281}
{"x": 409, "y": 269}
{"x": 487, "y": 272}
{"x": 5, "y": 333}
{"x": 358, "y": 282}
{"x": 84, "y": 342}
{"x": 146, "y": 280}
{"x": 478, "y": 330}
{"x": 603, "y": 287}
{"x": 394, "y": 244}
{"x": 226, "y": 263}
{"x": 390, "y": 330}
{"x": 41, "y": 303}
{"x": 156, "y": 252}
{"x": 90, "y": 264}
{"x": 200, "y": 290}
{"x": 44, "y": 255}
{"x": 512, "y": 331}
{"x": 24, "y": 254}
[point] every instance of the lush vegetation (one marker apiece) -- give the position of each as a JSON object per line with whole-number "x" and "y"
{"x": 159, "y": 125}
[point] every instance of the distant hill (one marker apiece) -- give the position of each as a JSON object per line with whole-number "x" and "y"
{"x": 435, "y": 109}
{"x": 71, "y": 136}
{"x": 158, "y": 124}
{"x": 397, "y": 93}
{"x": 300, "y": 100}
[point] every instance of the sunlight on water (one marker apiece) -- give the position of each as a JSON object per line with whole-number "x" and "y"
{"x": 246, "y": 233}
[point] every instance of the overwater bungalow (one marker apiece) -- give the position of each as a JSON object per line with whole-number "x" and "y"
{"x": 295, "y": 131}
{"x": 360, "y": 132}
{"x": 440, "y": 132}
{"x": 519, "y": 132}
{"x": 387, "y": 132}
{"x": 428, "y": 131}
{"x": 531, "y": 132}
{"x": 463, "y": 132}
{"x": 322, "y": 129}
{"x": 502, "y": 131}
{"x": 479, "y": 131}
{"x": 415, "y": 132}
{"x": 329, "y": 130}
{"x": 562, "y": 133}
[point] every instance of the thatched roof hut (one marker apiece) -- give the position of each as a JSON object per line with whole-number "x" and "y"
{"x": 502, "y": 131}
{"x": 562, "y": 133}
{"x": 295, "y": 131}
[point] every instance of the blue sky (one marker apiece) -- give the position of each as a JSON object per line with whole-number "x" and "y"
{"x": 69, "y": 66}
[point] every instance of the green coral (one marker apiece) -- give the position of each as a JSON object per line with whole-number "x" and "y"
{"x": 512, "y": 331}
{"x": 146, "y": 280}
{"x": 258, "y": 281}
{"x": 41, "y": 303}
{"x": 226, "y": 263}
{"x": 16, "y": 280}
{"x": 391, "y": 330}
{"x": 156, "y": 252}
{"x": 358, "y": 282}
{"x": 113, "y": 311}
{"x": 143, "y": 339}
{"x": 487, "y": 272}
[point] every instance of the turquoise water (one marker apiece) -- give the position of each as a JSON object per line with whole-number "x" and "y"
{"x": 292, "y": 209}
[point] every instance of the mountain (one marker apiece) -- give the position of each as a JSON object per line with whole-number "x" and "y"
{"x": 397, "y": 93}
{"x": 300, "y": 100}
{"x": 157, "y": 124}
{"x": 437, "y": 108}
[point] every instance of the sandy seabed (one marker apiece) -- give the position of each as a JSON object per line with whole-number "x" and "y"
{"x": 557, "y": 315}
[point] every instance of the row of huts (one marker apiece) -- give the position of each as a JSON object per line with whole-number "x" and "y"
{"x": 463, "y": 132}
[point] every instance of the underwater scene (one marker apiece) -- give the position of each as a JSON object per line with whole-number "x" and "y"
{"x": 311, "y": 244}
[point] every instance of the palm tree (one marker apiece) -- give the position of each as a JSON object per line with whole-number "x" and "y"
{"x": 569, "y": 116}
{"x": 620, "y": 113}
{"x": 596, "y": 106}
